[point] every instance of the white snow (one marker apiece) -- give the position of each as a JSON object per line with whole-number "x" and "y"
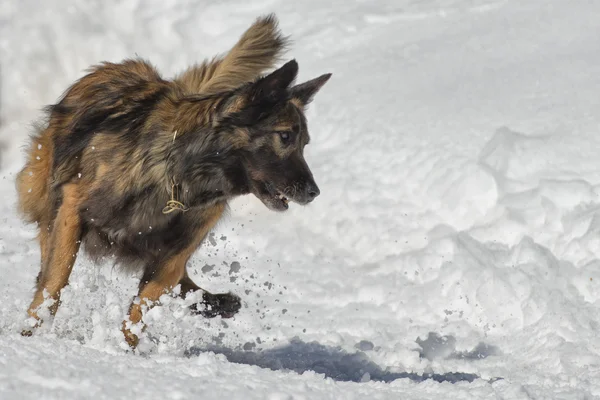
{"x": 457, "y": 231}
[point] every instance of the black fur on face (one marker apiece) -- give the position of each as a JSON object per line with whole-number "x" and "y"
{"x": 273, "y": 119}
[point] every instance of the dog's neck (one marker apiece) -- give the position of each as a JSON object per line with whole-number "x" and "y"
{"x": 201, "y": 159}
{"x": 206, "y": 172}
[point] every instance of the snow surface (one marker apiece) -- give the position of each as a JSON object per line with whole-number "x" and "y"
{"x": 458, "y": 229}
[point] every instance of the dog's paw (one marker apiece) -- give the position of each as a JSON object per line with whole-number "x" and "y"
{"x": 131, "y": 338}
{"x": 27, "y": 332}
{"x": 34, "y": 323}
{"x": 224, "y": 304}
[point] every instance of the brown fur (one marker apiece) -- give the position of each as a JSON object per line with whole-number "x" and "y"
{"x": 59, "y": 257}
{"x": 258, "y": 50}
{"x": 171, "y": 274}
{"x": 123, "y": 145}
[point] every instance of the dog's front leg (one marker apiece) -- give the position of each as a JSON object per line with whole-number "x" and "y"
{"x": 166, "y": 277}
{"x": 224, "y": 304}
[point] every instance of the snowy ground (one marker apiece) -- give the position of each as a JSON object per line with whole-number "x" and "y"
{"x": 458, "y": 229}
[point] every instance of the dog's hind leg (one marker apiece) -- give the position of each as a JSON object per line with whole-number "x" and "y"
{"x": 59, "y": 249}
{"x": 44, "y": 239}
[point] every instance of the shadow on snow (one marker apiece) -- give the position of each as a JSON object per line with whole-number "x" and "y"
{"x": 333, "y": 362}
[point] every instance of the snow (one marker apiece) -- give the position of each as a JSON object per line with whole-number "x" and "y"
{"x": 457, "y": 230}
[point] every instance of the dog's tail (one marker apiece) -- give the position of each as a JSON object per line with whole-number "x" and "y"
{"x": 33, "y": 181}
{"x": 259, "y": 48}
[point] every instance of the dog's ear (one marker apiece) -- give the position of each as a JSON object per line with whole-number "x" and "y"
{"x": 307, "y": 90}
{"x": 264, "y": 96}
{"x": 272, "y": 88}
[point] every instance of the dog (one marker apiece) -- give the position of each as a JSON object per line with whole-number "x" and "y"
{"x": 139, "y": 169}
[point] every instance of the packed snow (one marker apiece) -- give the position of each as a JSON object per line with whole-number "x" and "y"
{"x": 453, "y": 252}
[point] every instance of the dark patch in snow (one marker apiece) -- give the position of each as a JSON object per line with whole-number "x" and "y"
{"x": 333, "y": 362}
{"x": 207, "y": 268}
{"x": 436, "y": 346}
{"x": 482, "y": 350}
{"x": 211, "y": 239}
{"x": 234, "y": 267}
{"x": 364, "y": 345}
{"x": 444, "y": 347}
{"x": 219, "y": 339}
{"x": 249, "y": 345}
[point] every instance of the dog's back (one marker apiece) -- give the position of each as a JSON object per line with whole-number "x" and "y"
{"x": 101, "y": 99}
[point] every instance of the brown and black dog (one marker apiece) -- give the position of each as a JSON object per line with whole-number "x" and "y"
{"x": 140, "y": 168}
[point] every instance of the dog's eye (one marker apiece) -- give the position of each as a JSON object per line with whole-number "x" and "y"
{"x": 285, "y": 136}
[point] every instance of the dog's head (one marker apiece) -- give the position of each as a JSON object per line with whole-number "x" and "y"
{"x": 268, "y": 118}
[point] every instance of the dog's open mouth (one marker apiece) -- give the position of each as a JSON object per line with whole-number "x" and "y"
{"x": 276, "y": 200}
{"x": 283, "y": 200}
{"x": 271, "y": 197}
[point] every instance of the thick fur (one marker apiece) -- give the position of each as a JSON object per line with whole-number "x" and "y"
{"x": 259, "y": 48}
{"x": 123, "y": 141}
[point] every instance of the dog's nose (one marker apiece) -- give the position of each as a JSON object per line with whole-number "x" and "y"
{"x": 312, "y": 191}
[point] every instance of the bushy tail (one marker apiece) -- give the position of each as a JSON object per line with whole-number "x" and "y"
{"x": 258, "y": 50}
{"x": 33, "y": 181}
